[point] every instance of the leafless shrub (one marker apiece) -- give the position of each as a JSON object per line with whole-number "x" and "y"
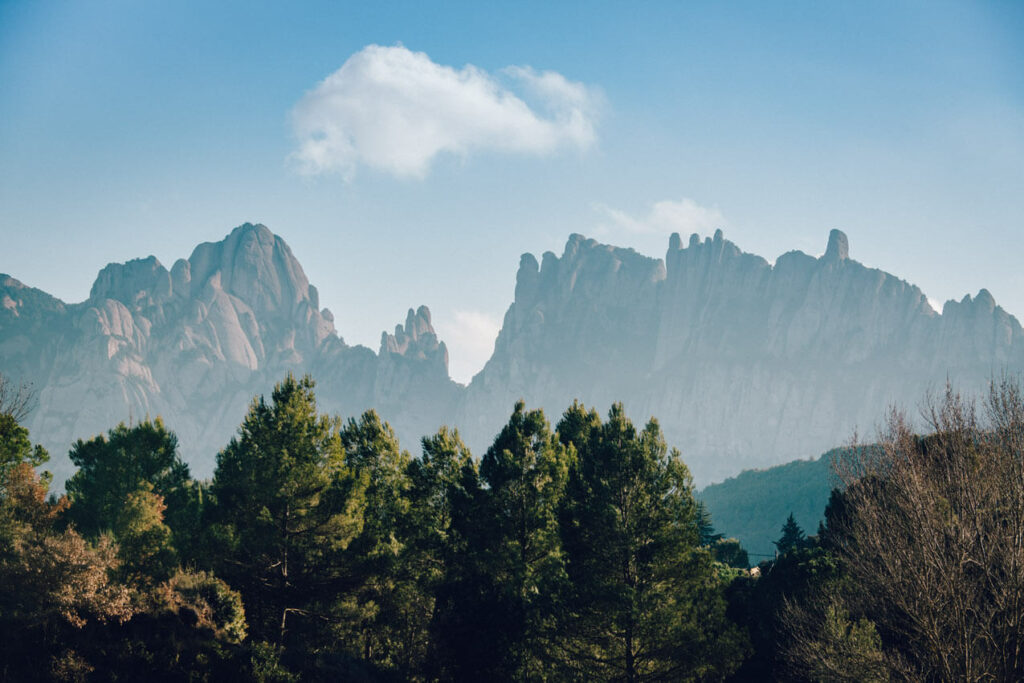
{"x": 931, "y": 540}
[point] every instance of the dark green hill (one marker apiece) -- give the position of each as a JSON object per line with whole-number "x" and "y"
{"x": 754, "y": 505}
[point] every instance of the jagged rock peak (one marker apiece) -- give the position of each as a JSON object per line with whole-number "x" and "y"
{"x": 713, "y": 250}
{"x": 675, "y": 242}
{"x": 415, "y": 338}
{"x": 255, "y": 265}
{"x": 982, "y": 301}
{"x": 132, "y": 281}
{"x": 838, "y": 246}
{"x": 527, "y": 279}
{"x": 985, "y": 300}
{"x": 580, "y": 249}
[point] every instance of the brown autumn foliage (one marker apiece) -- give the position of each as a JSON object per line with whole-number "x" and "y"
{"x": 47, "y": 573}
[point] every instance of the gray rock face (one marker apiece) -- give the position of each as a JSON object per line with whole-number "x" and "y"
{"x": 745, "y": 364}
{"x": 194, "y": 345}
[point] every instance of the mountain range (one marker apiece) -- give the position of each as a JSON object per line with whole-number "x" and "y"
{"x": 744, "y": 362}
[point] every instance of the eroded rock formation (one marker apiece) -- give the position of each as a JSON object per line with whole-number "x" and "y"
{"x": 745, "y": 363}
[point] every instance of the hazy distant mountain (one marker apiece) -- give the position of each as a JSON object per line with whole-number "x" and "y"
{"x": 195, "y": 343}
{"x": 746, "y": 364}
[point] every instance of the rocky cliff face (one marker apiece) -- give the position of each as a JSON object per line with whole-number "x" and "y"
{"x": 194, "y": 344}
{"x": 745, "y": 363}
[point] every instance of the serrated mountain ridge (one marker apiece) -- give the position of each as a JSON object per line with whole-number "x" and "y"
{"x": 745, "y": 363}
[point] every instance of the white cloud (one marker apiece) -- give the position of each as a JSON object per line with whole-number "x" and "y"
{"x": 665, "y": 217}
{"x": 394, "y": 110}
{"x": 469, "y": 336}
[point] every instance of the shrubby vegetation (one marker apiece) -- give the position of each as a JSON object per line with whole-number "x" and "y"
{"x": 321, "y": 550}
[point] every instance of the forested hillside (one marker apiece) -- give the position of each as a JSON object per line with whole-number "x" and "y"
{"x": 753, "y": 505}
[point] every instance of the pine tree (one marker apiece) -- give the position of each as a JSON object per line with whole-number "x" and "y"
{"x": 144, "y": 541}
{"x": 436, "y": 483}
{"x": 646, "y": 602}
{"x": 378, "y": 612}
{"x": 705, "y": 529}
{"x": 287, "y": 507}
{"x": 454, "y": 539}
{"x": 112, "y": 467}
{"x": 501, "y": 593}
{"x": 792, "y": 536}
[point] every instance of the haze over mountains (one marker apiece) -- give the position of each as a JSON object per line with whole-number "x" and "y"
{"x": 744, "y": 363}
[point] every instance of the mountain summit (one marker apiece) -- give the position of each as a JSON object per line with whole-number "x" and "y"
{"x": 194, "y": 344}
{"x": 745, "y": 363}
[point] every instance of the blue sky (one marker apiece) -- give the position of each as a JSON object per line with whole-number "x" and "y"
{"x": 410, "y": 177}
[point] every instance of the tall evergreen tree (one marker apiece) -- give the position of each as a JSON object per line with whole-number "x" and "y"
{"x": 646, "y": 603}
{"x": 287, "y": 507}
{"x": 792, "y": 537}
{"x": 705, "y": 528}
{"x": 468, "y": 640}
{"x": 144, "y": 541}
{"x": 501, "y": 595}
{"x": 438, "y": 482}
{"x": 378, "y": 612}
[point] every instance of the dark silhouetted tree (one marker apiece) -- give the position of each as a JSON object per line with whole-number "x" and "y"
{"x": 437, "y": 489}
{"x": 499, "y": 596}
{"x": 705, "y": 529}
{"x": 792, "y": 536}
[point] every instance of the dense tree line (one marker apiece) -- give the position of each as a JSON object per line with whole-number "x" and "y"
{"x": 320, "y": 550}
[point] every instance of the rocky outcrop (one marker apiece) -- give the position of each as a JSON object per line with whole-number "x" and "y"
{"x": 745, "y": 363}
{"x": 194, "y": 344}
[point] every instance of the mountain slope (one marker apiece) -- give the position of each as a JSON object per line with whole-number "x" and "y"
{"x": 753, "y": 505}
{"x": 195, "y": 343}
{"x": 745, "y": 363}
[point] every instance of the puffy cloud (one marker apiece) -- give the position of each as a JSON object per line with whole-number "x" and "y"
{"x": 469, "y": 336}
{"x": 395, "y": 110}
{"x": 668, "y": 216}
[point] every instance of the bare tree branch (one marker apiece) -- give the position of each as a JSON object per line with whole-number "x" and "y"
{"x": 16, "y": 400}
